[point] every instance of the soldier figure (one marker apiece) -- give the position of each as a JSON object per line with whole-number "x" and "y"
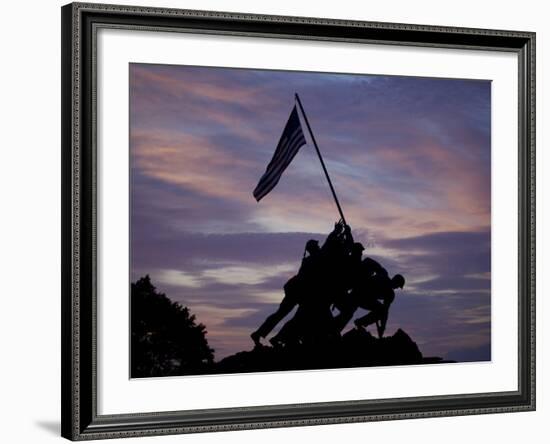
{"x": 374, "y": 291}
{"x": 313, "y": 321}
{"x": 383, "y": 291}
{"x": 334, "y": 274}
{"x": 294, "y": 289}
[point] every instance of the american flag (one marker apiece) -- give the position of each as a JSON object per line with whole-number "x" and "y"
{"x": 289, "y": 144}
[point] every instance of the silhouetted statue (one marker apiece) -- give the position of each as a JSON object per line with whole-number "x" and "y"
{"x": 383, "y": 291}
{"x": 313, "y": 322}
{"x": 373, "y": 290}
{"x": 294, "y": 289}
{"x": 331, "y": 276}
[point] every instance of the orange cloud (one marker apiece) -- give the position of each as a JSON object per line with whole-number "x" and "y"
{"x": 190, "y": 161}
{"x": 186, "y": 84}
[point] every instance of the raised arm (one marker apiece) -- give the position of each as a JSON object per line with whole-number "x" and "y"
{"x": 332, "y": 238}
{"x": 348, "y": 237}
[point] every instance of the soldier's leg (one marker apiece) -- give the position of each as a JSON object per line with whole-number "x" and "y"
{"x": 286, "y": 306}
{"x": 346, "y": 308}
{"x": 288, "y": 333}
{"x": 376, "y": 310}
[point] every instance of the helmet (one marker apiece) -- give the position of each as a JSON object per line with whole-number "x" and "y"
{"x": 312, "y": 244}
{"x": 398, "y": 281}
{"x": 357, "y": 246}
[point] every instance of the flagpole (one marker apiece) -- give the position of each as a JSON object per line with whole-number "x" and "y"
{"x": 321, "y": 159}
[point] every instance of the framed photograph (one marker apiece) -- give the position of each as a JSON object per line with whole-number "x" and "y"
{"x": 279, "y": 221}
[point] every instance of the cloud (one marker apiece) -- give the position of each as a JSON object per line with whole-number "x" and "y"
{"x": 189, "y": 161}
{"x": 241, "y": 275}
{"x": 178, "y": 278}
{"x": 230, "y": 275}
{"x": 186, "y": 250}
{"x": 442, "y": 242}
{"x": 390, "y": 144}
{"x": 194, "y": 82}
{"x": 441, "y": 325}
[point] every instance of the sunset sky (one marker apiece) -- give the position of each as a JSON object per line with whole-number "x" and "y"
{"x": 410, "y": 159}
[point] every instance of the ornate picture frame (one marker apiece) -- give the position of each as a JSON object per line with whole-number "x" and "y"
{"x": 81, "y": 389}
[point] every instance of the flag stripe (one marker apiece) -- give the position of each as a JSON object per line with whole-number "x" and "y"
{"x": 294, "y": 145}
{"x": 270, "y": 178}
{"x": 269, "y": 185}
{"x": 282, "y": 147}
{"x": 259, "y": 193}
{"x": 290, "y": 142}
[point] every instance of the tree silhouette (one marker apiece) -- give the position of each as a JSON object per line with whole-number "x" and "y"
{"x": 166, "y": 340}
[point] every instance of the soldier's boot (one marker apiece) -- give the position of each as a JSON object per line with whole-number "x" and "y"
{"x": 256, "y": 338}
{"x": 276, "y": 342}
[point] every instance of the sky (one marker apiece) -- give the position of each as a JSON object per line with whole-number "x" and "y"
{"x": 409, "y": 158}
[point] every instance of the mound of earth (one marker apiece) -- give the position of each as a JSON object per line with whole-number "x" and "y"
{"x": 356, "y": 348}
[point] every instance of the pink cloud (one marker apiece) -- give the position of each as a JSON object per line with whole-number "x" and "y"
{"x": 187, "y": 84}
{"x": 190, "y": 161}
